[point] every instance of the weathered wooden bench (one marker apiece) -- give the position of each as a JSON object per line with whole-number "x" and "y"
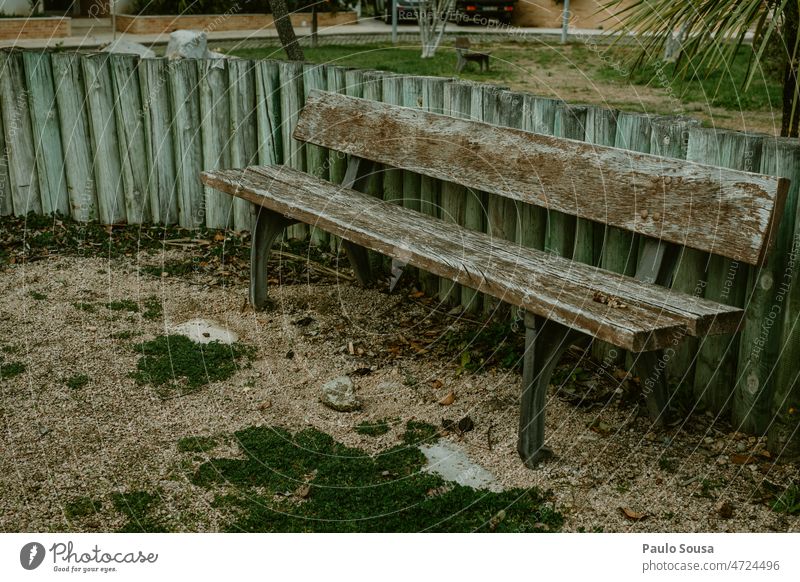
{"x": 465, "y": 54}
{"x": 671, "y": 203}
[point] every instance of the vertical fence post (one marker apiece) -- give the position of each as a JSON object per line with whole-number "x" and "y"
{"x": 130, "y": 133}
{"x": 538, "y": 116}
{"x": 71, "y": 103}
{"x": 316, "y": 157}
{"x": 103, "y": 129}
{"x": 294, "y": 152}
{"x": 215, "y": 133}
{"x": 23, "y": 180}
{"x": 6, "y": 205}
{"x": 244, "y": 144}
{"x": 601, "y": 129}
{"x": 766, "y": 390}
{"x": 268, "y": 116}
{"x": 159, "y": 140}
{"x": 46, "y": 132}
{"x": 187, "y": 141}
{"x": 456, "y": 103}
{"x": 726, "y": 282}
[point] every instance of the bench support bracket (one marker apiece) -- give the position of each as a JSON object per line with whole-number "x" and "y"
{"x": 267, "y": 226}
{"x": 545, "y": 343}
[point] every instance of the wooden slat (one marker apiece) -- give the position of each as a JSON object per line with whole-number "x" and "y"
{"x": 730, "y": 212}
{"x": 46, "y": 132}
{"x": 105, "y": 141}
{"x": 18, "y": 136}
{"x": 6, "y": 205}
{"x": 550, "y": 286}
{"x": 243, "y": 140}
{"x": 185, "y": 97}
{"x": 215, "y": 119}
{"x": 294, "y": 151}
{"x": 71, "y": 103}
{"x": 130, "y": 130}
{"x": 159, "y": 146}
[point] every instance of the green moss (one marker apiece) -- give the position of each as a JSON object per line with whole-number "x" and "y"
{"x": 38, "y": 296}
{"x": 11, "y": 369}
{"x": 82, "y": 507}
{"x": 123, "y": 305}
{"x": 125, "y": 334}
{"x": 174, "y": 362}
{"x": 377, "y": 428}
{"x": 346, "y": 490}
{"x": 77, "y": 382}
{"x": 495, "y": 344}
{"x": 420, "y": 433}
{"x": 152, "y": 308}
{"x": 83, "y": 306}
{"x": 196, "y": 444}
{"x": 138, "y": 507}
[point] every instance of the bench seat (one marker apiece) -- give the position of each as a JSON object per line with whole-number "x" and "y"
{"x": 643, "y": 317}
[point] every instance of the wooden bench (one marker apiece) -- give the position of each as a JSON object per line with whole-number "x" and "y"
{"x": 465, "y": 54}
{"x": 671, "y": 203}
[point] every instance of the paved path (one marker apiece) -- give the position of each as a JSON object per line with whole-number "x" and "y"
{"x": 94, "y": 33}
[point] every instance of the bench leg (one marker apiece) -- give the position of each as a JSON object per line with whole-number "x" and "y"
{"x": 545, "y": 343}
{"x": 653, "y": 379}
{"x": 359, "y": 260}
{"x": 267, "y": 226}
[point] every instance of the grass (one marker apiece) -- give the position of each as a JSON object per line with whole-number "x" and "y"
{"x": 82, "y": 507}
{"x": 38, "y": 296}
{"x": 123, "y": 305}
{"x": 789, "y": 501}
{"x": 720, "y": 88}
{"x": 11, "y": 369}
{"x": 376, "y": 428}
{"x": 176, "y": 363}
{"x": 77, "y": 382}
{"x": 493, "y": 345}
{"x": 138, "y": 507}
{"x": 514, "y": 63}
{"x": 197, "y": 444}
{"x": 308, "y": 482}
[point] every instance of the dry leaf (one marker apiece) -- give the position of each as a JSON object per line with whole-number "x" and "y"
{"x": 448, "y": 400}
{"x": 417, "y": 294}
{"x": 631, "y": 514}
{"x": 303, "y": 491}
{"x": 742, "y": 459}
{"x": 725, "y": 510}
{"x": 436, "y": 384}
{"x": 219, "y": 237}
{"x": 265, "y": 405}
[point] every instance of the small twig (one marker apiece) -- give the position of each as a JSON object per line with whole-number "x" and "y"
{"x": 314, "y": 264}
{"x": 489, "y": 434}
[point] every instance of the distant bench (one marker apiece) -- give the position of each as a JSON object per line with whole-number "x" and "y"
{"x": 669, "y": 202}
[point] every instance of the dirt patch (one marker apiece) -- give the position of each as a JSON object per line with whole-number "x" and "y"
{"x": 83, "y": 437}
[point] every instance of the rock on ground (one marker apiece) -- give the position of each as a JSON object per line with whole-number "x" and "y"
{"x": 339, "y": 394}
{"x": 451, "y": 463}
{"x": 130, "y": 48}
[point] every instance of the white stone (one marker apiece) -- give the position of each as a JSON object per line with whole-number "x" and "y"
{"x": 127, "y": 47}
{"x": 187, "y": 44}
{"x": 451, "y": 463}
{"x": 340, "y": 395}
{"x": 205, "y": 331}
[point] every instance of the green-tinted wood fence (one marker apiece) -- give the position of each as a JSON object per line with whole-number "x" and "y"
{"x": 115, "y": 139}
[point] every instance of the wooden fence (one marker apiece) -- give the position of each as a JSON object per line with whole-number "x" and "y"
{"x": 117, "y": 139}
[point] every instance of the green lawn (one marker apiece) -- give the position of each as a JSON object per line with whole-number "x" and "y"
{"x": 514, "y": 63}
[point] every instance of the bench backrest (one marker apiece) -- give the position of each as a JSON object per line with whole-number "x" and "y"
{"x": 717, "y": 210}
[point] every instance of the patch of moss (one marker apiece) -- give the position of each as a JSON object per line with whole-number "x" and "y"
{"x": 196, "y": 444}
{"x": 124, "y": 335}
{"x": 152, "y": 308}
{"x": 174, "y": 362}
{"x": 83, "y": 306}
{"x": 137, "y": 506}
{"x": 11, "y": 369}
{"x": 38, "y": 296}
{"x": 495, "y": 344}
{"x": 418, "y": 433}
{"x": 77, "y": 381}
{"x": 309, "y": 482}
{"x": 123, "y": 305}
{"x": 374, "y": 429}
{"x": 82, "y": 507}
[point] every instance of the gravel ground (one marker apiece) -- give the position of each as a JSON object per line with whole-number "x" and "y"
{"x": 116, "y": 435}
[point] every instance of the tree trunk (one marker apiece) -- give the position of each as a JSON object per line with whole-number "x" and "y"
{"x": 283, "y": 24}
{"x": 314, "y": 26}
{"x": 790, "y": 119}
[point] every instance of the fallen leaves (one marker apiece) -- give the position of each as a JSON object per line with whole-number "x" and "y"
{"x": 448, "y": 399}
{"x": 609, "y": 300}
{"x": 631, "y": 514}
